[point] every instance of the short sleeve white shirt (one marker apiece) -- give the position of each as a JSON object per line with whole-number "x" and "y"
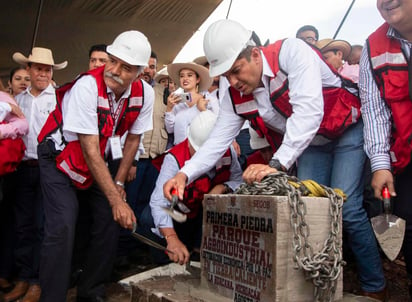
{"x": 79, "y": 110}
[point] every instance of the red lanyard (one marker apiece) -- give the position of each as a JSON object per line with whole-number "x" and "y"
{"x": 115, "y": 113}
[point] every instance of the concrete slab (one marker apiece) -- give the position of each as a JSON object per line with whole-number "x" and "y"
{"x": 174, "y": 283}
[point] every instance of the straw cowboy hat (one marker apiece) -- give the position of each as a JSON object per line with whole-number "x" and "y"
{"x": 203, "y": 72}
{"x": 39, "y": 55}
{"x": 330, "y": 44}
{"x": 161, "y": 74}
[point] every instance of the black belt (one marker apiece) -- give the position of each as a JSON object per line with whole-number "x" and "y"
{"x": 30, "y": 162}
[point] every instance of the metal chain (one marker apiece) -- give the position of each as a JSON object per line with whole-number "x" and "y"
{"x": 325, "y": 266}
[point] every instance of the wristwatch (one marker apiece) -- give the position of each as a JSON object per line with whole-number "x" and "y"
{"x": 275, "y": 163}
{"x": 119, "y": 183}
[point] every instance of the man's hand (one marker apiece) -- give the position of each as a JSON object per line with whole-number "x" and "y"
{"x": 257, "y": 172}
{"x": 381, "y": 179}
{"x": 16, "y": 111}
{"x": 180, "y": 253}
{"x": 131, "y": 175}
{"x": 178, "y": 182}
{"x": 236, "y": 147}
{"x": 121, "y": 191}
{"x": 202, "y": 104}
{"x": 123, "y": 215}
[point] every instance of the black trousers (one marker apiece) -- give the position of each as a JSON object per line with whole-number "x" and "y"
{"x": 402, "y": 207}
{"x": 29, "y": 215}
{"x": 61, "y": 205}
{"x": 7, "y": 227}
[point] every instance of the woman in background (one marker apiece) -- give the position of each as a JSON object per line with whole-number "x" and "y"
{"x": 195, "y": 80}
{"x": 19, "y": 80}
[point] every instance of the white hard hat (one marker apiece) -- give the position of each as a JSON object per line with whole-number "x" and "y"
{"x": 132, "y": 47}
{"x": 257, "y": 142}
{"x": 223, "y": 42}
{"x": 200, "y": 128}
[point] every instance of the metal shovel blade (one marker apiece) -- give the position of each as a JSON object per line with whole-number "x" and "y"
{"x": 389, "y": 230}
{"x": 176, "y": 215}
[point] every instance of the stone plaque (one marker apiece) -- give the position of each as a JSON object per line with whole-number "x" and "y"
{"x": 247, "y": 252}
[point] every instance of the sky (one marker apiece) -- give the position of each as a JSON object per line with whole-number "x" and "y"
{"x": 277, "y": 19}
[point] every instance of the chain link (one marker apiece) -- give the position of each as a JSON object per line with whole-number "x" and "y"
{"x": 325, "y": 266}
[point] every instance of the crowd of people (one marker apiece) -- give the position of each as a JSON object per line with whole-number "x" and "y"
{"x": 84, "y": 164}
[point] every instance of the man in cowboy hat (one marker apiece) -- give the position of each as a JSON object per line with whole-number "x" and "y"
{"x": 336, "y": 53}
{"x": 79, "y": 155}
{"x": 36, "y": 102}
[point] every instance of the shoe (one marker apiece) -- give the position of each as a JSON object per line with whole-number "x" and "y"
{"x": 18, "y": 291}
{"x": 5, "y": 285}
{"x": 32, "y": 294}
{"x": 379, "y": 296}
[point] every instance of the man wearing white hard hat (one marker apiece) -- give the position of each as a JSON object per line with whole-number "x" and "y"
{"x": 294, "y": 99}
{"x": 78, "y": 151}
{"x": 222, "y": 178}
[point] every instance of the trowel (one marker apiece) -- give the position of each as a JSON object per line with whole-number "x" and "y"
{"x": 176, "y": 215}
{"x": 389, "y": 229}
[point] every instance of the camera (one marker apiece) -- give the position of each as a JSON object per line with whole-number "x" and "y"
{"x": 185, "y": 96}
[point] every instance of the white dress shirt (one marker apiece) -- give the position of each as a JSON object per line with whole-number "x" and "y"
{"x": 178, "y": 120}
{"x": 307, "y": 73}
{"x": 168, "y": 170}
{"x": 80, "y": 111}
{"x": 36, "y": 109}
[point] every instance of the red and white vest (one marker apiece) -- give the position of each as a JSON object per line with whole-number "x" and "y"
{"x": 194, "y": 192}
{"x": 12, "y": 152}
{"x": 71, "y": 161}
{"x": 390, "y": 70}
{"x": 341, "y": 108}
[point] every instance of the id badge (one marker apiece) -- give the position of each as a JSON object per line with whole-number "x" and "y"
{"x": 115, "y": 147}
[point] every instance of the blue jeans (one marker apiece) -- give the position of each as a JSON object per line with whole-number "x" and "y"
{"x": 339, "y": 164}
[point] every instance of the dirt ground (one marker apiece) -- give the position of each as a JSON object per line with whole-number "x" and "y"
{"x": 395, "y": 273}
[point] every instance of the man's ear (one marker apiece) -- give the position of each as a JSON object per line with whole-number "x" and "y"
{"x": 339, "y": 53}
{"x": 255, "y": 54}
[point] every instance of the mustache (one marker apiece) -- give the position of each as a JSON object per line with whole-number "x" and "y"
{"x": 116, "y": 78}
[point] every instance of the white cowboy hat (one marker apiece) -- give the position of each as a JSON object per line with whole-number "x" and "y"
{"x": 330, "y": 44}
{"x": 161, "y": 74}
{"x": 203, "y": 72}
{"x": 39, "y": 55}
